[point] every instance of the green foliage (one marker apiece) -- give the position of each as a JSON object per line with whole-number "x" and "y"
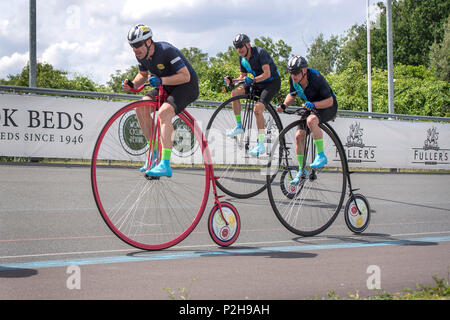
{"x": 416, "y": 90}
{"x": 115, "y": 82}
{"x": 440, "y": 56}
{"x": 48, "y": 77}
{"x": 416, "y": 26}
{"x": 322, "y": 54}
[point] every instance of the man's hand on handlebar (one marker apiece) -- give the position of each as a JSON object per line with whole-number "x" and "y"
{"x": 281, "y": 107}
{"x": 127, "y": 85}
{"x": 228, "y": 81}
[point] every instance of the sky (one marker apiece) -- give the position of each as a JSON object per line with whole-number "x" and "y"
{"x": 89, "y": 37}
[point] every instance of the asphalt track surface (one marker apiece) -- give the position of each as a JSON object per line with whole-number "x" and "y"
{"x": 54, "y": 245}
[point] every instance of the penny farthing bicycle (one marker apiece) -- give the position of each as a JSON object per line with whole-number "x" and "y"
{"x": 151, "y": 213}
{"x": 310, "y": 207}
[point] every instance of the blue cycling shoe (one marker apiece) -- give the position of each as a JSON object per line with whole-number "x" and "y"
{"x": 258, "y": 150}
{"x": 236, "y": 131}
{"x": 144, "y": 168}
{"x": 163, "y": 169}
{"x": 298, "y": 177}
{"x": 319, "y": 161}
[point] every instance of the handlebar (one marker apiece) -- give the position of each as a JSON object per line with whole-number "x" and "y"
{"x": 236, "y": 83}
{"x": 301, "y": 111}
{"x": 136, "y": 90}
{"x": 140, "y": 88}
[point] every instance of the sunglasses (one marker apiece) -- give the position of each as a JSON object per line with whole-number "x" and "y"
{"x": 138, "y": 44}
{"x": 296, "y": 73}
{"x": 239, "y": 46}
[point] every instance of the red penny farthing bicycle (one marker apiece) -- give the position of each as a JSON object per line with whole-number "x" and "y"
{"x": 157, "y": 213}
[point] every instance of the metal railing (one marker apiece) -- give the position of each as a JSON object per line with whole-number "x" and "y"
{"x": 110, "y": 96}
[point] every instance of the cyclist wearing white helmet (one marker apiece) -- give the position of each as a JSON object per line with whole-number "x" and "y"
{"x": 259, "y": 63}
{"x": 170, "y": 68}
{"x": 312, "y": 87}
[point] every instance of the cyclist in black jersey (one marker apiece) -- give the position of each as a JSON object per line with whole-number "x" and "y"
{"x": 311, "y": 86}
{"x": 256, "y": 61}
{"x": 168, "y": 67}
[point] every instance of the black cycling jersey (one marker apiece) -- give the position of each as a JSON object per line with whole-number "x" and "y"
{"x": 166, "y": 61}
{"x": 258, "y": 58}
{"x": 317, "y": 88}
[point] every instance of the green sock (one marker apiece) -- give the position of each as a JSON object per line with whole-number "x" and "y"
{"x": 261, "y": 137}
{"x": 300, "y": 161}
{"x": 155, "y": 145}
{"x": 319, "y": 145}
{"x": 238, "y": 117}
{"x": 166, "y": 153}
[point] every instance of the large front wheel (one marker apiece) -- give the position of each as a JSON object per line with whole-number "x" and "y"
{"x": 241, "y": 174}
{"x": 145, "y": 213}
{"x": 310, "y": 207}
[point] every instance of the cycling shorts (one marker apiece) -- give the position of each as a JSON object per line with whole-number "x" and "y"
{"x": 266, "y": 91}
{"x": 324, "y": 115}
{"x": 180, "y": 96}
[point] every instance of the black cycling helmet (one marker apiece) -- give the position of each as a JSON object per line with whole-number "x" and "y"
{"x": 296, "y": 64}
{"x": 240, "y": 40}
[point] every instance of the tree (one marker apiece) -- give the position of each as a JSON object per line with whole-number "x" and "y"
{"x": 115, "y": 82}
{"x": 440, "y": 56}
{"x": 417, "y": 24}
{"x": 417, "y": 91}
{"x": 279, "y": 51}
{"x": 196, "y": 57}
{"x": 322, "y": 54}
{"x": 49, "y": 77}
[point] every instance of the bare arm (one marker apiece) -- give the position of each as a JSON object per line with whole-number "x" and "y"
{"x": 265, "y": 75}
{"x": 182, "y": 76}
{"x": 323, "y": 104}
{"x": 138, "y": 81}
{"x": 289, "y": 100}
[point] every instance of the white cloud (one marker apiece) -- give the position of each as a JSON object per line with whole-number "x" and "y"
{"x": 12, "y": 64}
{"x": 89, "y": 37}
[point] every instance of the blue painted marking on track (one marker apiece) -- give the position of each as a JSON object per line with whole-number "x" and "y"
{"x": 199, "y": 254}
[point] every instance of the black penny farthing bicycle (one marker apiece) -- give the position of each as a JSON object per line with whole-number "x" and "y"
{"x": 310, "y": 207}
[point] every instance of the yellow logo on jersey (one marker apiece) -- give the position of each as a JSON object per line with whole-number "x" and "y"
{"x": 160, "y": 66}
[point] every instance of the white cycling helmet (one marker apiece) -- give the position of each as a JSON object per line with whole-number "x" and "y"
{"x": 139, "y": 33}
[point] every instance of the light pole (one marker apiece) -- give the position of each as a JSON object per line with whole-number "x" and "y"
{"x": 32, "y": 44}
{"x": 390, "y": 59}
{"x": 369, "y": 62}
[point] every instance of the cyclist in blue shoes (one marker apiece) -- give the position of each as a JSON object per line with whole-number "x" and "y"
{"x": 257, "y": 62}
{"x": 168, "y": 67}
{"x": 311, "y": 86}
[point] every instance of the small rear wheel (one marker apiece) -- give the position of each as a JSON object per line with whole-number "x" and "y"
{"x": 224, "y": 232}
{"x": 357, "y": 213}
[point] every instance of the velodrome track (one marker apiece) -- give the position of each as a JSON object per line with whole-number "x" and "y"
{"x": 49, "y": 223}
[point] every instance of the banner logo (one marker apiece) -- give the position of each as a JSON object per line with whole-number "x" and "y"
{"x": 184, "y": 142}
{"x": 130, "y": 134}
{"x": 430, "y": 153}
{"x": 357, "y": 151}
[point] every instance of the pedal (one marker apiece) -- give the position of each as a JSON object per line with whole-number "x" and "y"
{"x": 151, "y": 177}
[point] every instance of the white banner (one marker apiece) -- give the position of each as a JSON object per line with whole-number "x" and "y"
{"x": 51, "y": 127}
{"x": 55, "y": 127}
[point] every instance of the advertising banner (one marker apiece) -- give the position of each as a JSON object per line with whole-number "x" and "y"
{"x": 56, "y": 127}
